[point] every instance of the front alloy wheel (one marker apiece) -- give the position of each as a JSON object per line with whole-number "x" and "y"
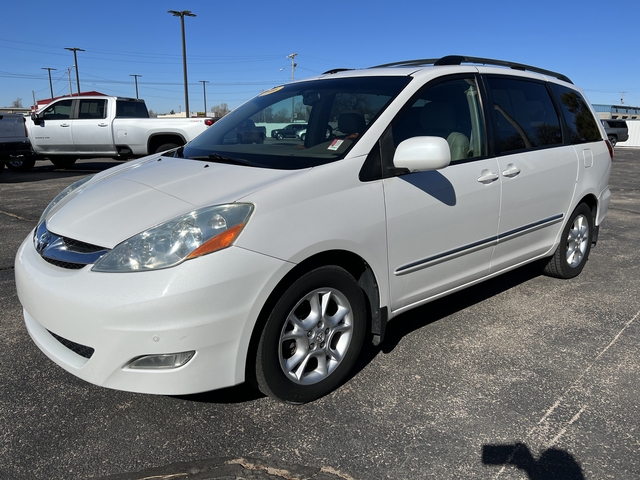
{"x": 312, "y": 337}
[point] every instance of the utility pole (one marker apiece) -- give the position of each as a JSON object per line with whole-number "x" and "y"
{"x": 293, "y": 66}
{"x": 182, "y": 14}
{"x": 204, "y": 89}
{"x": 69, "y": 78}
{"x": 75, "y": 61}
{"x": 50, "y": 84}
{"x": 135, "y": 76}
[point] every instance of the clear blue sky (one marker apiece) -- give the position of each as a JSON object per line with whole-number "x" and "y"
{"x": 240, "y": 47}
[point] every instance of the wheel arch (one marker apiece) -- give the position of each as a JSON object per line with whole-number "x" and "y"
{"x": 352, "y": 263}
{"x": 158, "y": 139}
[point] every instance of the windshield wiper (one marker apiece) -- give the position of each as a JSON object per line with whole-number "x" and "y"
{"x": 214, "y": 157}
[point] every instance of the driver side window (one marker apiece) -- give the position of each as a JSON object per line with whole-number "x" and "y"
{"x": 58, "y": 111}
{"x": 450, "y": 110}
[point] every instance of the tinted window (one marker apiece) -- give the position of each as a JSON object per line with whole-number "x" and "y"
{"x": 449, "y": 110}
{"x": 582, "y": 126}
{"x": 131, "y": 109}
{"x": 92, "y": 109}
{"x": 524, "y": 115}
{"x": 58, "y": 111}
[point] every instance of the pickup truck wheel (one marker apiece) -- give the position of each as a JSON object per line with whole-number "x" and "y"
{"x": 63, "y": 162}
{"x": 165, "y": 147}
{"x": 21, "y": 165}
{"x": 613, "y": 139}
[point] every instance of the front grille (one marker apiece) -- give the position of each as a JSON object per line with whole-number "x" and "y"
{"x": 61, "y": 264}
{"x": 81, "y": 247}
{"x": 81, "y": 350}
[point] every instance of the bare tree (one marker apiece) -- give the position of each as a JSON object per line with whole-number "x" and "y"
{"x": 220, "y": 110}
{"x": 17, "y": 103}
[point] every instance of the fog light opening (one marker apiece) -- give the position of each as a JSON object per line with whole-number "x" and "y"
{"x": 164, "y": 361}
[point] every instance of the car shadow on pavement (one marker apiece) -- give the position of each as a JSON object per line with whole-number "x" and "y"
{"x": 402, "y": 326}
{"x": 420, "y": 317}
{"x": 553, "y": 463}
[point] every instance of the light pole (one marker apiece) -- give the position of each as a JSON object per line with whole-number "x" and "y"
{"x": 182, "y": 14}
{"x": 75, "y": 61}
{"x": 135, "y": 76}
{"x": 293, "y": 66}
{"x": 50, "y": 84}
{"x": 204, "y": 90}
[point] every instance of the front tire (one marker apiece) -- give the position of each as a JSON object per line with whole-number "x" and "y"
{"x": 312, "y": 337}
{"x": 575, "y": 244}
{"x": 63, "y": 162}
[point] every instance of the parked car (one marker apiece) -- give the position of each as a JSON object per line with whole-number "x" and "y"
{"x": 15, "y": 148}
{"x": 290, "y": 131}
{"x": 219, "y": 263}
{"x": 302, "y": 134}
{"x": 617, "y": 131}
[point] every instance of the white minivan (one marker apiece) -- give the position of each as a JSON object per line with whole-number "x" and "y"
{"x": 225, "y": 261}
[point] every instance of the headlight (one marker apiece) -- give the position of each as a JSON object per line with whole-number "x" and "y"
{"x": 188, "y": 236}
{"x": 62, "y": 195}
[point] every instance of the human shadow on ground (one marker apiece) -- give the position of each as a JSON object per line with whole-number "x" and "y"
{"x": 553, "y": 463}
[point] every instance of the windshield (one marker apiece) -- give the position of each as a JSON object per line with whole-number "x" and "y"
{"x": 299, "y": 125}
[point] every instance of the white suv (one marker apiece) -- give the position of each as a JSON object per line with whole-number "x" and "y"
{"x": 221, "y": 262}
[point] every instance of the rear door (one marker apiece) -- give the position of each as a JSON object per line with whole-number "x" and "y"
{"x": 91, "y": 129}
{"x": 538, "y": 171}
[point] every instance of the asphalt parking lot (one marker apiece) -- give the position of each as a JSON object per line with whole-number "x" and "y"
{"x": 522, "y": 377}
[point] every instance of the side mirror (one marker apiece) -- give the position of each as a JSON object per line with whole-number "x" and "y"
{"x": 419, "y": 154}
{"x": 35, "y": 118}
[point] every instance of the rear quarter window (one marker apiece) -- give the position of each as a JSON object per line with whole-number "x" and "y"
{"x": 580, "y": 121}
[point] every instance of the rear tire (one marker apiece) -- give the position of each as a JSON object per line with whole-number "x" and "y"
{"x": 165, "y": 147}
{"x": 21, "y": 165}
{"x": 312, "y": 337}
{"x": 575, "y": 244}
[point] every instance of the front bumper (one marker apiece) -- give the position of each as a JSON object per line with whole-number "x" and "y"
{"x": 208, "y": 305}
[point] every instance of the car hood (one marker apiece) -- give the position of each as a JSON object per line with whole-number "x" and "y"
{"x": 122, "y": 202}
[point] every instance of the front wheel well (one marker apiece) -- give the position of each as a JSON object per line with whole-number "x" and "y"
{"x": 349, "y": 261}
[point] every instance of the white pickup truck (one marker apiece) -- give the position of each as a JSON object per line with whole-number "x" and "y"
{"x": 100, "y": 126}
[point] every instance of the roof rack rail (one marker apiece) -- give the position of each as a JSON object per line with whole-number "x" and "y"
{"x": 460, "y": 59}
{"x": 336, "y": 70}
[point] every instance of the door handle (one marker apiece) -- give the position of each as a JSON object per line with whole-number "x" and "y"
{"x": 103, "y": 124}
{"x": 488, "y": 177}
{"x": 511, "y": 171}
{"x": 65, "y": 124}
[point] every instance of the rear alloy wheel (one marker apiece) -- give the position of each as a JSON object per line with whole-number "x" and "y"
{"x": 21, "y": 165}
{"x": 575, "y": 245}
{"x": 312, "y": 337}
{"x": 63, "y": 162}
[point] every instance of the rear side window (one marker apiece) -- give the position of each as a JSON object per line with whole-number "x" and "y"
{"x": 582, "y": 126}
{"x": 131, "y": 109}
{"x": 95, "y": 109}
{"x": 524, "y": 115}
